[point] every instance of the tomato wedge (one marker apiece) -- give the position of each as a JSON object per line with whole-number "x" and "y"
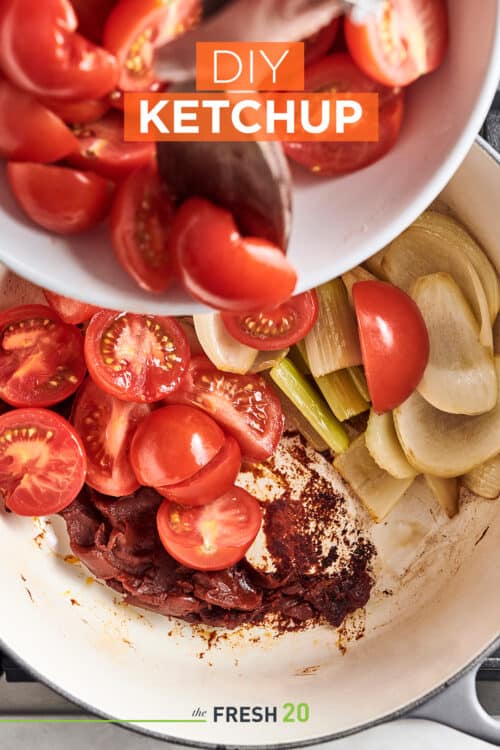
{"x": 278, "y": 328}
{"x": 212, "y": 481}
{"x": 400, "y": 41}
{"x": 320, "y": 43}
{"x": 139, "y": 358}
{"x": 61, "y": 200}
{"x": 70, "y": 310}
{"x": 42, "y": 462}
{"x": 29, "y": 131}
{"x": 338, "y": 72}
{"x": 92, "y": 15}
{"x": 245, "y": 405}
{"x": 102, "y": 149}
{"x": 134, "y": 29}
{"x": 41, "y": 358}
{"x": 173, "y": 444}
{"x": 81, "y": 112}
{"x": 213, "y": 536}
{"x": 106, "y": 426}
{"x": 141, "y": 217}
{"x": 41, "y": 52}
{"x": 223, "y": 269}
{"x": 394, "y": 342}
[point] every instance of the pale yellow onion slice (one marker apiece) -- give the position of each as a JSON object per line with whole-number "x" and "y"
{"x": 353, "y": 276}
{"x": 446, "y": 445}
{"x": 384, "y": 447}
{"x": 484, "y": 480}
{"x": 374, "y": 264}
{"x": 496, "y": 336}
{"x": 446, "y": 491}
{"x": 378, "y": 491}
{"x": 266, "y": 360}
{"x": 221, "y": 348}
{"x": 460, "y": 376}
{"x": 419, "y": 251}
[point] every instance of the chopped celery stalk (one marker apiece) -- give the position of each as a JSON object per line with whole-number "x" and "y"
{"x": 353, "y": 276}
{"x": 341, "y": 394}
{"x": 359, "y": 380}
{"x": 484, "y": 480}
{"x": 303, "y": 395}
{"x": 333, "y": 342}
{"x": 374, "y": 264}
{"x": 298, "y": 356}
{"x": 496, "y": 335}
{"x": 295, "y": 421}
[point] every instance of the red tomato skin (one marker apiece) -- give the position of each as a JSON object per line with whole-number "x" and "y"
{"x": 60, "y": 200}
{"x": 68, "y": 476}
{"x": 92, "y": 15}
{"x": 212, "y": 481}
{"x": 29, "y": 131}
{"x": 41, "y": 53}
{"x": 173, "y": 444}
{"x": 394, "y": 342}
{"x": 222, "y": 269}
{"x": 320, "y": 43}
{"x": 81, "y": 112}
{"x": 70, "y": 310}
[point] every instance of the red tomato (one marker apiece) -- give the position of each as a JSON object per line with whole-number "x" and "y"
{"x": 103, "y": 150}
{"x": 41, "y": 53}
{"x": 401, "y": 41}
{"x": 139, "y": 358}
{"x": 70, "y": 310}
{"x": 317, "y": 45}
{"x": 245, "y": 405}
{"x": 60, "y": 200}
{"x": 42, "y": 462}
{"x": 29, "y": 131}
{"x": 338, "y": 72}
{"x": 212, "y": 481}
{"x": 140, "y": 221}
{"x": 41, "y": 358}
{"x": 135, "y": 28}
{"x": 173, "y": 444}
{"x": 92, "y": 15}
{"x": 85, "y": 111}
{"x": 117, "y": 97}
{"x": 394, "y": 342}
{"x": 278, "y": 328}
{"x": 223, "y": 269}
{"x": 213, "y": 536}
{"x": 106, "y": 425}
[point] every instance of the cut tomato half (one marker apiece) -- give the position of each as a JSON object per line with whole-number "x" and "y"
{"x": 70, "y": 310}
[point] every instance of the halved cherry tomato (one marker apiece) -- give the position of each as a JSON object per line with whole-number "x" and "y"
{"x": 29, "y": 131}
{"x": 213, "y": 536}
{"x": 92, "y": 15}
{"x": 173, "y": 444}
{"x": 41, "y": 358}
{"x": 141, "y": 217}
{"x": 317, "y": 45}
{"x": 82, "y": 112}
{"x": 41, "y": 52}
{"x": 212, "y": 481}
{"x": 394, "y": 342}
{"x": 70, "y": 310}
{"x": 61, "y": 200}
{"x": 245, "y": 405}
{"x": 134, "y": 29}
{"x": 117, "y": 97}
{"x": 42, "y": 462}
{"x": 338, "y": 72}
{"x": 106, "y": 425}
{"x": 223, "y": 269}
{"x": 139, "y": 358}
{"x": 103, "y": 150}
{"x": 400, "y": 40}
{"x": 277, "y": 328}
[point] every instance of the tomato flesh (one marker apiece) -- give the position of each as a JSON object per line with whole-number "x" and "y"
{"x": 210, "y": 537}
{"x": 70, "y": 310}
{"x": 61, "y": 200}
{"x": 394, "y": 342}
{"x": 41, "y": 52}
{"x": 140, "y": 219}
{"x": 139, "y": 358}
{"x": 245, "y": 405}
{"x": 42, "y": 462}
{"x": 106, "y": 426}
{"x": 102, "y": 149}
{"x": 338, "y": 72}
{"x": 89, "y": 110}
{"x": 41, "y": 358}
{"x": 223, "y": 269}
{"x": 212, "y": 481}
{"x": 278, "y": 328}
{"x": 320, "y": 43}
{"x": 92, "y": 15}
{"x": 400, "y": 41}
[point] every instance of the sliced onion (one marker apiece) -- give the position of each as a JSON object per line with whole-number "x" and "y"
{"x": 266, "y": 360}
{"x": 446, "y": 492}
{"x": 484, "y": 480}
{"x": 384, "y": 447}
{"x": 223, "y": 350}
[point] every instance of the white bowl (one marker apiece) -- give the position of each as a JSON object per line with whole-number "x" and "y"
{"x": 336, "y": 223}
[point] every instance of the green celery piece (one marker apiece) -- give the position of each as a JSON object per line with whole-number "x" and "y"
{"x": 359, "y": 380}
{"x": 341, "y": 394}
